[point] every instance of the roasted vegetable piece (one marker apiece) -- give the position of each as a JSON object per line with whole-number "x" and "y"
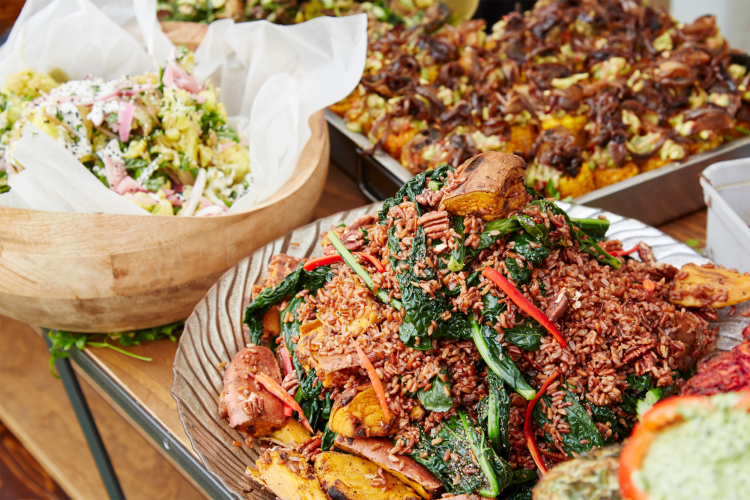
{"x": 291, "y": 435}
{"x": 412, "y": 473}
{"x": 289, "y": 475}
{"x": 591, "y": 476}
{"x": 697, "y": 286}
{"x": 724, "y": 372}
{"x": 492, "y": 187}
{"x": 249, "y": 407}
{"x": 312, "y": 336}
{"x": 357, "y": 413}
{"x": 346, "y": 477}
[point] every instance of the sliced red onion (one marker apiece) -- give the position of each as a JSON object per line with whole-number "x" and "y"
{"x": 176, "y": 77}
{"x": 210, "y": 211}
{"x": 114, "y": 170}
{"x": 195, "y": 194}
{"x": 125, "y": 119}
{"x": 129, "y": 185}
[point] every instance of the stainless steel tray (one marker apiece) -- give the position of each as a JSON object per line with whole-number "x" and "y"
{"x": 655, "y": 197}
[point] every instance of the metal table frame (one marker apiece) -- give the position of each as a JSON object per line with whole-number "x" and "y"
{"x": 173, "y": 448}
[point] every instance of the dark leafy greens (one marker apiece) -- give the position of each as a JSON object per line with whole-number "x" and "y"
{"x": 583, "y": 433}
{"x": 493, "y": 308}
{"x": 460, "y": 439}
{"x": 422, "y": 311}
{"x": 293, "y": 283}
{"x": 498, "y": 360}
{"x": 316, "y": 410}
{"x": 527, "y": 336}
{"x": 494, "y": 415}
{"x": 328, "y": 437}
{"x": 438, "y": 397}
{"x": 412, "y": 189}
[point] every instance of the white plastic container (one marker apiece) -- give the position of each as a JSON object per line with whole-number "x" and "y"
{"x": 726, "y": 190}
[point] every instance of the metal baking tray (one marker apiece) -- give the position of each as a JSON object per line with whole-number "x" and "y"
{"x": 654, "y": 197}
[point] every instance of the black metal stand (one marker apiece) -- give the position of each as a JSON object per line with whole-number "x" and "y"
{"x": 86, "y": 419}
{"x": 181, "y": 456}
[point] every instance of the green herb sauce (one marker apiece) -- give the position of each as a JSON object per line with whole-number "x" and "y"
{"x": 707, "y": 456}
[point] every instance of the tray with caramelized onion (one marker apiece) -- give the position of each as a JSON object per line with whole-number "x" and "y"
{"x": 463, "y": 338}
{"x": 614, "y": 105}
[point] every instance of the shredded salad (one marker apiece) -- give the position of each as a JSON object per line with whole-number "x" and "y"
{"x": 159, "y": 140}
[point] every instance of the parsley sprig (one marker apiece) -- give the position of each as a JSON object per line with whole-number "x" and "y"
{"x": 63, "y": 341}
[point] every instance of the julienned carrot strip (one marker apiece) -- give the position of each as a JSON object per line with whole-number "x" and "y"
{"x": 518, "y": 298}
{"x": 375, "y": 382}
{"x": 649, "y": 285}
{"x": 278, "y": 391}
{"x": 322, "y": 261}
{"x": 372, "y": 260}
{"x": 620, "y": 253}
{"x": 528, "y": 432}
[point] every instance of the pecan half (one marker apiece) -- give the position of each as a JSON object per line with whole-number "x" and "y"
{"x": 290, "y": 383}
{"x": 353, "y": 240}
{"x": 253, "y": 406}
{"x": 430, "y": 198}
{"x": 435, "y": 224}
{"x": 310, "y": 448}
{"x": 636, "y": 352}
{"x": 558, "y": 306}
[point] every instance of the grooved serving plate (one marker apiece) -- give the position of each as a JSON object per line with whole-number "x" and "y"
{"x": 214, "y": 333}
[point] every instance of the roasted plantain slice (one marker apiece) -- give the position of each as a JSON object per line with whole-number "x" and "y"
{"x": 698, "y": 286}
{"x": 346, "y": 477}
{"x": 291, "y": 435}
{"x": 357, "y": 413}
{"x": 411, "y": 473}
{"x": 289, "y": 475}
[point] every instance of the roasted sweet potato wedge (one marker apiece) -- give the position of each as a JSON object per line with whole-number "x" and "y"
{"x": 411, "y": 473}
{"x": 346, "y": 477}
{"x": 249, "y": 407}
{"x": 357, "y": 413}
{"x": 291, "y": 435}
{"x": 697, "y": 286}
{"x": 492, "y": 187}
{"x": 312, "y": 335}
{"x": 289, "y": 475}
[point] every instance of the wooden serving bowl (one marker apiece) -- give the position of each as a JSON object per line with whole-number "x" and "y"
{"x": 110, "y": 273}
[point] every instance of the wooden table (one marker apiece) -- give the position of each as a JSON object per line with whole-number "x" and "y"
{"x": 33, "y": 406}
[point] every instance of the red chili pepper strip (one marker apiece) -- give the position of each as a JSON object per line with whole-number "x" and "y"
{"x": 527, "y": 432}
{"x": 620, "y": 253}
{"x": 322, "y": 261}
{"x": 372, "y": 260}
{"x": 522, "y": 302}
{"x": 288, "y": 410}
{"x": 288, "y": 367}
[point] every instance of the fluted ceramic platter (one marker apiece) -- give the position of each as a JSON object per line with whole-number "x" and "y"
{"x": 214, "y": 333}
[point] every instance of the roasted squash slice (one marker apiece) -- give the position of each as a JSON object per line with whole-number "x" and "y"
{"x": 697, "y": 286}
{"x": 492, "y": 187}
{"x": 357, "y": 413}
{"x": 346, "y": 477}
{"x": 291, "y": 435}
{"x": 410, "y": 473}
{"x": 289, "y": 475}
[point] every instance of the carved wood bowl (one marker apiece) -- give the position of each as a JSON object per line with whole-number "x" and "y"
{"x": 110, "y": 273}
